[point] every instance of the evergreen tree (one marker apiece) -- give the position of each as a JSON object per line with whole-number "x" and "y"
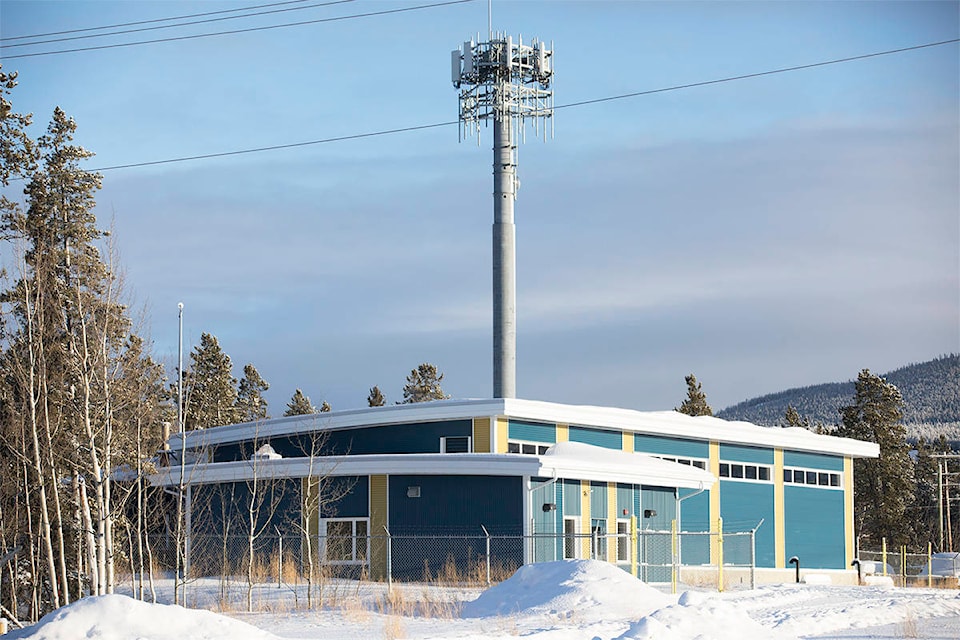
{"x": 325, "y": 407}
{"x": 375, "y": 398}
{"x": 696, "y": 402}
{"x": 299, "y": 405}
{"x": 884, "y": 487}
{"x": 209, "y": 387}
{"x": 250, "y": 401}
{"x": 423, "y": 385}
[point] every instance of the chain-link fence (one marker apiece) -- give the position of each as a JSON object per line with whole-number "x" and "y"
{"x": 910, "y": 567}
{"x": 298, "y": 563}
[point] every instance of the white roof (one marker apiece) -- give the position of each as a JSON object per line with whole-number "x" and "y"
{"x": 657, "y": 423}
{"x": 569, "y": 460}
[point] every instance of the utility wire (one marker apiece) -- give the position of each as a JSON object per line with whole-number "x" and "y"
{"x": 755, "y": 75}
{"x": 581, "y": 103}
{"x": 130, "y": 24}
{"x": 174, "y": 26}
{"x": 292, "y": 145}
{"x": 247, "y": 30}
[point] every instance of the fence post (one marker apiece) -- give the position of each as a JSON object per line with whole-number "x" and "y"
{"x": 903, "y": 565}
{"x": 753, "y": 558}
{"x": 674, "y": 560}
{"x": 633, "y": 545}
{"x": 389, "y": 560}
{"x": 487, "y": 534}
{"x": 279, "y": 560}
{"x": 720, "y": 554}
{"x": 883, "y": 555}
{"x": 929, "y": 564}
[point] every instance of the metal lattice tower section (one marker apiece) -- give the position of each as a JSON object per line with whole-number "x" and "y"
{"x": 508, "y": 83}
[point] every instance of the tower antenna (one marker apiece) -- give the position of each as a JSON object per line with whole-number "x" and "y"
{"x": 507, "y": 82}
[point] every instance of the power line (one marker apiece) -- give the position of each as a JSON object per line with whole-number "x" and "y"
{"x": 276, "y": 147}
{"x": 756, "y": 75}
{"x": 247, "y": 30}
{"x": 174, "y": 26}
{"x": 130, "y": 24}
{"x": 581, "y": 103}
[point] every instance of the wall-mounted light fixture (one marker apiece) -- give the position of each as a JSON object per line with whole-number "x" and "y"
{"x": 549, "y": 506}
{"x": 413, "y": 492}
{"x": 649, "y": 513}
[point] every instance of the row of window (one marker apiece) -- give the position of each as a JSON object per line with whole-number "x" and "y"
{"x": 811, "y": 477}
{"x": 528, "y": 448}
{"x": 740, "y": 471}
{"x": 690, "y": 462}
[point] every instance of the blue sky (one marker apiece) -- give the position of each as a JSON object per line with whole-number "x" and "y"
{"x": 764, "y": 234}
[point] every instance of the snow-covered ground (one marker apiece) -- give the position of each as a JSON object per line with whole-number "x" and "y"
{"x": 569, "y": 600}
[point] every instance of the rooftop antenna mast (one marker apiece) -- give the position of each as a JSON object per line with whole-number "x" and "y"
{"x": 509, "y": 83}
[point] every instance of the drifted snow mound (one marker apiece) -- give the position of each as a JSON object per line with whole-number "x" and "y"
{"x": 581, "y": 588}
{"x": 116, "y": 617}
{"x": 698, "y": 616}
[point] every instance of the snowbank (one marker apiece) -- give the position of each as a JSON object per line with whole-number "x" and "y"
{"x": 117, "y": 617}
{"x": 698, "y": 616}
{"x": 588, "y": 587}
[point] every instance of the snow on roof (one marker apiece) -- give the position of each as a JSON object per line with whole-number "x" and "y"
{"x": 660, "y": 423}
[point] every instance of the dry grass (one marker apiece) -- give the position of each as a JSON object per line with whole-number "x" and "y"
{"x": 393, "y": 628}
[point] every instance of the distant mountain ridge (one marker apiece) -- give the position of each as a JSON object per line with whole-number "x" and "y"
{"x": 931, "y": 396}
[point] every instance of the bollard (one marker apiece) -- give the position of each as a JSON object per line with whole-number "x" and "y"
{"x": 3, "y": 626}
{"x": 856, "y": 563}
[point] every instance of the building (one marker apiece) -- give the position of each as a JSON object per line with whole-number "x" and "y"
{"x": 566, "y": 475}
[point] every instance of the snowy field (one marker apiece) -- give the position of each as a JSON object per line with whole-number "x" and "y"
{"x": 569, "y": 600}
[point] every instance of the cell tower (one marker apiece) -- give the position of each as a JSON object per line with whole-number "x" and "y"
{"x": 507, "y": 82}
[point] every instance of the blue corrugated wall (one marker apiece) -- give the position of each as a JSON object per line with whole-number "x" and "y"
{"x": 814, "y": 526}
{"x": 742, "y": 506}
{"x": 532, "y": 431}
{"x": 597, "y": 437}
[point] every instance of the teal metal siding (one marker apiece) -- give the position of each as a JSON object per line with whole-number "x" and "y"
{"x": 813, "y": 526}
{"x": 532, "y": 431}
{"x": 742, "y": 506}
{"x": 548, "y": 548}
{"x": 598, "y": 500}
{"x": 597, "y": 437}
{"x": 625, "y": 500}
{"x": 740, "y": 453}
{"x": 694, "y": 516}
{"x": 676, "y": 447}
{"x": 571, "y": 497}
{"x": 812, "y": 460}
{"x": 655, "y": 550}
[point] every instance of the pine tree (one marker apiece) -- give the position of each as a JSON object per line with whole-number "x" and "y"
{"x": 325, "y": 407}
{"x": 423, "y": 385}
{"x": 375, "y": 398}
{"x": 210, "y": 389}
{"x": 696, "y": 402}
{"x": 299, "y": 405}
{"x": 884, "y": 486}
{"x": 250, "y": 401}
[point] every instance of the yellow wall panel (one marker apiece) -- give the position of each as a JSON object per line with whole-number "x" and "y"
{"x": 501, "y": 428}
{"x": 481, "y": 435}
{"x": 848, "y": 509}
{"x": 585, "y": 519}
{"x": 378, "y": 520}
{"x": 627, "y": 442}
{"x": 779, "y": 524}
{"x": 612, "y": 521}
{"x": 563, "y": 432}
{"x": 714, "y": 500}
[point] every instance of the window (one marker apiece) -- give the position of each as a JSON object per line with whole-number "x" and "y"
{"x": 527, "y": 448}
{"x": 570, "y": 539}
{"x": 455, "y": 444}
{"x": 623, "y": 541}
{"x": 345, "y": 540}
{"x": 813, "y": 478}
{"x": 747, "y": 472}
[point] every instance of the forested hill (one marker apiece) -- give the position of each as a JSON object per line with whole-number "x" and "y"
{"x": 931, "y": 395}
